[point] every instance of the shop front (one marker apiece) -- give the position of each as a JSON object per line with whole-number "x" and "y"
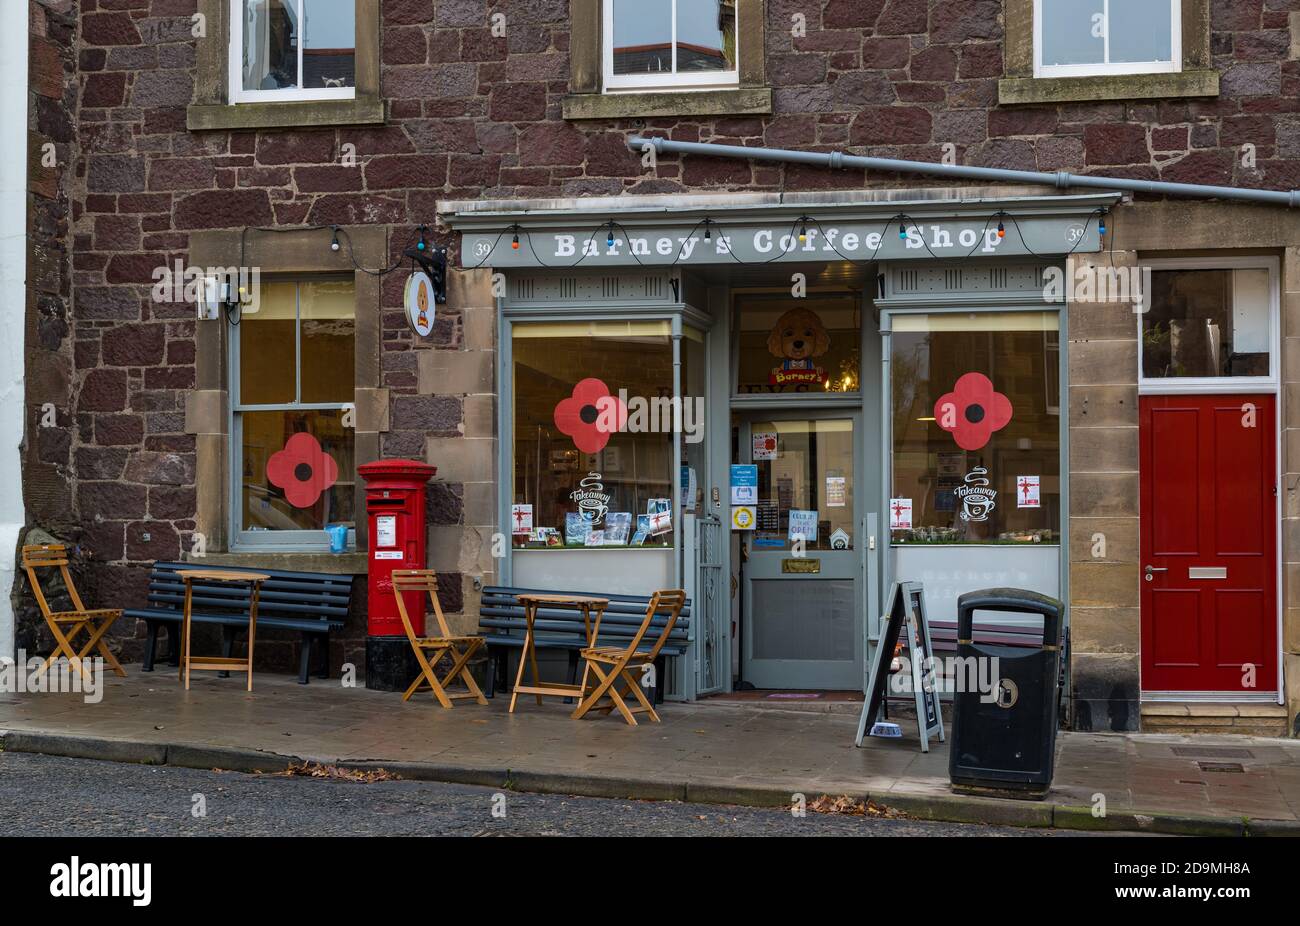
{"x": 782, "y": 407}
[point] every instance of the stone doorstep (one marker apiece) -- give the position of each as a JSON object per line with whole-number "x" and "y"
{"x": 1253, "y": 719}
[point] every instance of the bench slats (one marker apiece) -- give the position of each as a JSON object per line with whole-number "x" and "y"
{"x": 503, "y": 615}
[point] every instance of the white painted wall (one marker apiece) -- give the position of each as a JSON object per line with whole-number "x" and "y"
{"x": 613, "y": 570}
{"x": 949, "y": 572}
{"x": 13, "y": 294}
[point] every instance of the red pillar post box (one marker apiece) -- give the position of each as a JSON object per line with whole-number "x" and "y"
{"x": 395, "y": 503}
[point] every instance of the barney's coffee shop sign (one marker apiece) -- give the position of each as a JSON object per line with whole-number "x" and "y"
{"x": 789, "y": 241}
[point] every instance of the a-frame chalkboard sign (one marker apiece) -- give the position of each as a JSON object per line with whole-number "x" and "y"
{"x": 906, "y": 611}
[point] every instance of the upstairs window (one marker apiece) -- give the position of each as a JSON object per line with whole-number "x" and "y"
{"x": 1087, "y": 38}
{"x": 669, "y": 44}
{"x": 293, "y": 50}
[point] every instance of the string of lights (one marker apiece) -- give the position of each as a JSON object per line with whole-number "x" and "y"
{"x": 421, "y": 253}
{"x": 906, "y": 224}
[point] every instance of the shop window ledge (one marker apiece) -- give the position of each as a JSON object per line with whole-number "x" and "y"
{"x": 352, "y": 563}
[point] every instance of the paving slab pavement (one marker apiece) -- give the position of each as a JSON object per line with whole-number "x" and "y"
{"x": 721, "y": 752}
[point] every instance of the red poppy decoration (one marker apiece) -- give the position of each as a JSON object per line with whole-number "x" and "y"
{"x": 973, "y": 411}
{"x": 302, "y": 469}
{"x": 591, "y": 415}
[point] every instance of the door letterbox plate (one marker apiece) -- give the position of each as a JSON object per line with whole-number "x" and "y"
{"x": 1207, "y": 572}
{"x": 801, "y": 566}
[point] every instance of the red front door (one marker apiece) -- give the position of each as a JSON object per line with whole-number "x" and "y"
{"x": 1208, "y": 543}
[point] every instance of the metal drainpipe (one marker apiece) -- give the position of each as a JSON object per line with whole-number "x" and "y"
{"x": 1062, "y": 180}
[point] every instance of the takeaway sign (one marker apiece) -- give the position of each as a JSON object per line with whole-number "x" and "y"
{"x": 791, "y": 241}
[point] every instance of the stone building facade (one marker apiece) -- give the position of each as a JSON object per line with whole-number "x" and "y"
{"x": 461, "y": 105}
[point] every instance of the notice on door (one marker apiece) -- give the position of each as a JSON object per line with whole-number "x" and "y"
{"x": 835, "y": 491}
{"x": 744, "y": 484}
{"x": 765, "y": 445}
{"x": 386, "y": 530}
{"x": 900, "y": 514}
{"x": 803, "y": 524}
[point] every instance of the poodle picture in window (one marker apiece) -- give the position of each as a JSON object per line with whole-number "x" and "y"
{"x": 797, "y": 339}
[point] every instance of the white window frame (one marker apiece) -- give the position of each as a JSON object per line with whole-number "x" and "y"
{"x": 287, "y": 95}
{"x": 299, "y": 541}
{"x": 1221, "y": 385}
{"x": 642, "y": 83}
{"x": 1106, "y": 67}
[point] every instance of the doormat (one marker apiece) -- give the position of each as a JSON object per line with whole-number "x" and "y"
{"x": 795, "y": 696}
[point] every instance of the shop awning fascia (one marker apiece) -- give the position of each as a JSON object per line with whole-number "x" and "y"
{"x": 491, "y": 226}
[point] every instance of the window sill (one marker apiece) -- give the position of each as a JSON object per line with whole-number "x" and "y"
{"x": 1017, "y": 90}
{"x": 744, "y": 101}
{"x": 203, "y": 117}
{"x": 345, "y": 564}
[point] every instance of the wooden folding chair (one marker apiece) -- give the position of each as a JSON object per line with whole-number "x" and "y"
{"x": 429, "y": 650}
{"x": 613, "y": 666}
{"x": 66, "y": 625}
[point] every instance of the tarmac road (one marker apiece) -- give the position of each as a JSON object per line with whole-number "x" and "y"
{"x": 54, "y": 796}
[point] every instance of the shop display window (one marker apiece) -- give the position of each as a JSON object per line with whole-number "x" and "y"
{"x": 594, "y": 419}
{"x": 976, "y": 428}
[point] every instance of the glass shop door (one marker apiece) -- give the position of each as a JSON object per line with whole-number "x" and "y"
{"x": 803, "y": 560}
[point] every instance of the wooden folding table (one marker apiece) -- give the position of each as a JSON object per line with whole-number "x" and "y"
{"x": 528, "y": 654}
{"x": 219, "y": 663}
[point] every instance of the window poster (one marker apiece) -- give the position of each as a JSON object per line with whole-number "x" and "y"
{"x": 521, "y": 519}
{"x": 618, "y": 528}
{"x": 836, "y": 491}
{"x": 576, "y": 529}
{"x": 1029, "y": 492}
{"x": 900, "y": 514}
{"x": 764, "y": 445}
{"x": 803, "y": 524}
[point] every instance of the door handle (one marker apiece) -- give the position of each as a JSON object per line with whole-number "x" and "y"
{"x": 1152, "y": 570}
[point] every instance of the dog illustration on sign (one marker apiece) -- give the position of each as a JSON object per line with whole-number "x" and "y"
{"x": 798, "y": 338}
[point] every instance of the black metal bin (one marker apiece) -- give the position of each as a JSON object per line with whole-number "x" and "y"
{"x": 1004, "y": 740}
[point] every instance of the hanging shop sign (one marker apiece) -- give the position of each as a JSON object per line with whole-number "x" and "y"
{"x": 419, "y": 301}
{"x": 746, "y": 241}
